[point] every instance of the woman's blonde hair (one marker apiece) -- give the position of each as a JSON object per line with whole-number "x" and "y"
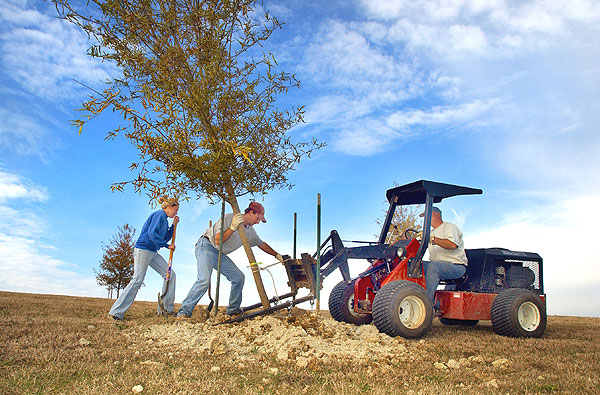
{"x": 167, "y": 201}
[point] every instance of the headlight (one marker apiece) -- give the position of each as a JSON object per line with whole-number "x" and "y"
{"x": 401, "y": 252}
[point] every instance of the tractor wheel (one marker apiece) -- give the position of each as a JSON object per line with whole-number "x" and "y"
{"x": 341, "y": 305}
{"x": 402, "y": 308}
{"x": 455, "y": 322}
{"x": 518, "y": 312}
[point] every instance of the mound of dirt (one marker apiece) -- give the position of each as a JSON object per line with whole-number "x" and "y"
{"x": 300, "y": 339}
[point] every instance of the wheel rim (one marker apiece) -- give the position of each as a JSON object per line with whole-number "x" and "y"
{"x": 351, "y": 308}
{"x": 411, "y": 312}
{"x": 529, "y": 316}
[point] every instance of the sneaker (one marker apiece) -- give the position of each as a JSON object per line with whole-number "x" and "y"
{"x": 114, "y": 317}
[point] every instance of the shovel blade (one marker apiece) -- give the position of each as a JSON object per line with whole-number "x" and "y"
{"x": 161, "y": 305}
{"x": 209, "y": 308}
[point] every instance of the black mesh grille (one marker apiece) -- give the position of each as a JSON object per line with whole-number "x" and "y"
{"x": 518, "y": 273}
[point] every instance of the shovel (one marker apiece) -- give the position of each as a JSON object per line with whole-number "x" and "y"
{"x": 211, "y": 304}
{"x": 161, "y": 305}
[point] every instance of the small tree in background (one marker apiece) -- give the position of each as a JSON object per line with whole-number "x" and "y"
{"x": 116, "y": 267}
{"x": 405, "y": 217}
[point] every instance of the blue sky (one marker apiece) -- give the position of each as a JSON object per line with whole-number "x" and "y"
{"x": 498, "y": 95}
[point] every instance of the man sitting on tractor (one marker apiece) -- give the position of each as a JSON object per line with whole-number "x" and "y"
{"x": 446, "y": 253}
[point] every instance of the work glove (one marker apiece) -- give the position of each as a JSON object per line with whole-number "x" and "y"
{"x": 236, "y": 221}
{"x": 279, "y": 258}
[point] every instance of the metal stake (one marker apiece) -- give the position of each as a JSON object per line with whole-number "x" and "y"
{"x": 295, "y": 232}
{"x": 219, "y": 260}
{"x": 318, "y": 252}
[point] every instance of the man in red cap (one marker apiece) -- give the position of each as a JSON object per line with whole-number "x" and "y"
{"x": 207, "y": 255}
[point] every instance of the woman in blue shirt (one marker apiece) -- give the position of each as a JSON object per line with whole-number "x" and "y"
{"x": 155, "y": 234}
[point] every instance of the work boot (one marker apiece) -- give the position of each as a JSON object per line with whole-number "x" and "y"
{"x": 183, "y": 317}
{"x": 235, "y": 312}
{"x": 164, "y": 313}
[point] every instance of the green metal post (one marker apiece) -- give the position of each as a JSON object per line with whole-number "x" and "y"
{"x": 295, "y": 233}
{"x": 219, "y": 260}
{"x": 318, "y": 252}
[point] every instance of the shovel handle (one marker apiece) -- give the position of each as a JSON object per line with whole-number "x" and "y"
{"x": 171, "y": 253}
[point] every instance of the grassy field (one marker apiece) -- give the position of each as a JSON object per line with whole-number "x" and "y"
{"x": 63, "y": 344}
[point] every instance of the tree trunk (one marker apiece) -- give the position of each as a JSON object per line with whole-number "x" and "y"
{"x": 232, "y": 200}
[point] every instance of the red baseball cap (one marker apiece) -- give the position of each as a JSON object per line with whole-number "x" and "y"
{"x": 258, "y": 209}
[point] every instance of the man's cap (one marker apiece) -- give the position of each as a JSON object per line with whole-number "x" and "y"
{"x": 258, "y": 209}
{"x": 433, "y": 210}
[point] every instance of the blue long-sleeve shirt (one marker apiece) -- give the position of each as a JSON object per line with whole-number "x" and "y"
{"x": 156, "y": 232}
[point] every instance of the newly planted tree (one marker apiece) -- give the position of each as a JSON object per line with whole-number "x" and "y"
{"x": 197, "y": 93}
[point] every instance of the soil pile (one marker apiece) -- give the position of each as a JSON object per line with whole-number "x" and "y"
{"x": 300, "y": 338}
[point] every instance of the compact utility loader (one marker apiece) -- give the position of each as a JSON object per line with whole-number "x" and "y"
{"x": 500, "y": 285}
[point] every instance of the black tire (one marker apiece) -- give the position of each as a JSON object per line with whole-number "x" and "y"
{"x": 341, "y": 302}
{"x": 518, "y": 312}
{"x": 455, "y": 322}
{"x": 402, "y": 308}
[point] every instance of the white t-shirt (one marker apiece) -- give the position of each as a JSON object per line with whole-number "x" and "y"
{"x": 234, "y": 241}
{"x": 450, "y": 232}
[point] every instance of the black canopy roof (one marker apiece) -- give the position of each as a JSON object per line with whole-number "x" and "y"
{"x": 416, "y": 192}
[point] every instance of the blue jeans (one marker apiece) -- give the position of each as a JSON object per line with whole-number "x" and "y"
{"x": 141, "y": 260}
{"x": 436, "y": 271}
{"x": 207, "y": 258}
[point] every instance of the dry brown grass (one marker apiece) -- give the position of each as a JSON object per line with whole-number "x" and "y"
{"x": 44, "y": 349}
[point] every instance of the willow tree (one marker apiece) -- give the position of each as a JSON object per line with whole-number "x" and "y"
{"x": 197, "y": 94}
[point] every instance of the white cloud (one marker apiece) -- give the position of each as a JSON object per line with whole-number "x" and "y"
{"x": 461, "y": 29}
{"x": 439, "y": 116}
{"x": 13, "y": 186}
{"x": 278, "y": 11}
{"x": 27, "y": 264}
{"x": 361, "y": 80}
{"x": 23, "y": 133}
{"x": 555, "y": 232}
{"x": 26, "y": 267}
{"x": 22, "y": 223}
{"x": 367, "y": 138}
{"x": 521, "y": 74}
{"x": 44, "y": 53}
{"x": 340, "y": 56}
{"x": 467, "y": 39}
{"x": 363, "y": 133}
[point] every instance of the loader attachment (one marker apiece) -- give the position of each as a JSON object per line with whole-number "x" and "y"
{"x": 301, "y": 274}
{"x": 337, "y": 256}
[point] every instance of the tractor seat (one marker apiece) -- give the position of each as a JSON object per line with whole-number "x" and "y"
{"x": 455, "y": 281}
